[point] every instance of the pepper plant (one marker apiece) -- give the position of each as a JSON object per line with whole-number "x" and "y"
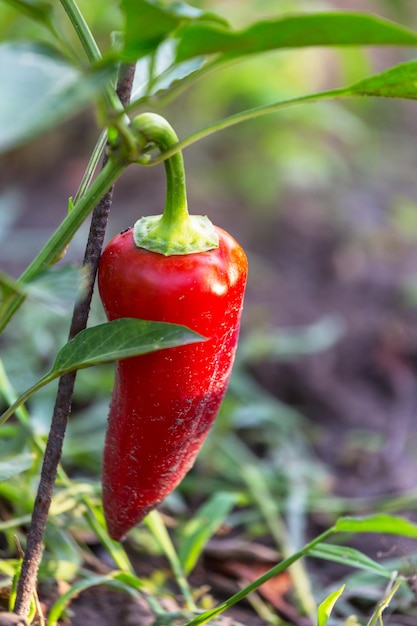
{"x": 160, "y": 50}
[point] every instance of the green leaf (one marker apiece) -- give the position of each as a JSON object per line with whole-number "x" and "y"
{"x": 389, "y": 524}
{"x": 9, "y": 285}
{"x": 324, "y": 610}
{"x": 158, "y": 72}
{"x": 160, "y": 533}
{"x": 38, "y": 11}
{"x": 317, "y": 29}
{"x": 15, "y": 465}
{"x": 118, "y": 580}
{"x": 203, "y": 525}
{"x": 119, "y": 339}
{"x": 350, "y": 557}
{"x": 40, "y": 90}
{"x": 399, "y": 81}
{"x": 149, "y": 22}
{"x": 57, "y": 287}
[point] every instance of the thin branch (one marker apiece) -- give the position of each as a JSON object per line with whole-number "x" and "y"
{"x": 62, "y": 409}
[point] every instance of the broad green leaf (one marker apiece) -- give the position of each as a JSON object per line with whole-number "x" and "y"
{"x": 57, "y": 287}
{"x": 15, "y": 465}
{"x": 399, "y": 81}
{"x": 38, "y": 11}
{"x": 325, "y": 609}
{"x": 350, "y": 557}
{"x": 203, "y": 525}
{"x": 159, "y": 71}
{"x": 295, "y": 31}
{"x": 389, "y": 524}
{"x": 119, "y": 339}
{"x": 42, "y": 90}
{"x": 149, "y": 22}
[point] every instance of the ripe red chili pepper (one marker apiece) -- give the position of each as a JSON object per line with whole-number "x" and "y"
{"x": 164, "y": 403}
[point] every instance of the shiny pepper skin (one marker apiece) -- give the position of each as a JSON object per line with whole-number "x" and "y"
{"x": 164, "y": 403}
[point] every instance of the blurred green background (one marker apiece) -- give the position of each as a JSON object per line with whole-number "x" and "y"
{"x": 322, "y": 197}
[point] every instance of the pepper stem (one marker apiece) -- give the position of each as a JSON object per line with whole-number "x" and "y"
{"x": 175, "y": 231}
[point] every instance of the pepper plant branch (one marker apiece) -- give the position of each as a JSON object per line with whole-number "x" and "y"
{"x": 62, "y": 409}
{"x": 63, "y": 235}
{"x": 81, "y": 28}
{"x": 116, "y": 111}
{"x": 91, "y": 167}
{"x": 69, "y": 226}
{"x": 243, "y": 116}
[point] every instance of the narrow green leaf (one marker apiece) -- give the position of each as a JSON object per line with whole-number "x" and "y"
{"x": 119, "y": 339}
{"x": 316, "y": 29}
{"x": 9, "y": 285}
{"x": 203, "y": 525}
{"x": 350, "y": 557}
{"x": 40, "y": 90}
{"x": 389, "y": 524}
{"x": 158, "y": 529}
{"x": 149, "y": 22}
{"x": 119, "y": 580}
{"x": 15, "y": 465}
{"x": 274, "y": 571}
{"x": 399, "y": 81}
{"x": 325, "y": 609}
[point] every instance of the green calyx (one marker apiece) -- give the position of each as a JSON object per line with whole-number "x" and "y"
{"x": 175, "y": 231}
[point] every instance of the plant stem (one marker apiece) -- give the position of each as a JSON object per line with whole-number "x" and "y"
{"x": 91, "y": 167}
{"x": 62, "y": 409}
{"x": 63, "y": 235}
{"x": 244, "y": 116}
{"x": 384, "y": 603}
{"x": 92, "y": 51}
{"x": 175, "y": 231}
{"x": 114, "y": 548}
{"x": 81, "y": 28}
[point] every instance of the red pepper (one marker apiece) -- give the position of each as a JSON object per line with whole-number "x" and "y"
{"x": 164, "y": 403}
